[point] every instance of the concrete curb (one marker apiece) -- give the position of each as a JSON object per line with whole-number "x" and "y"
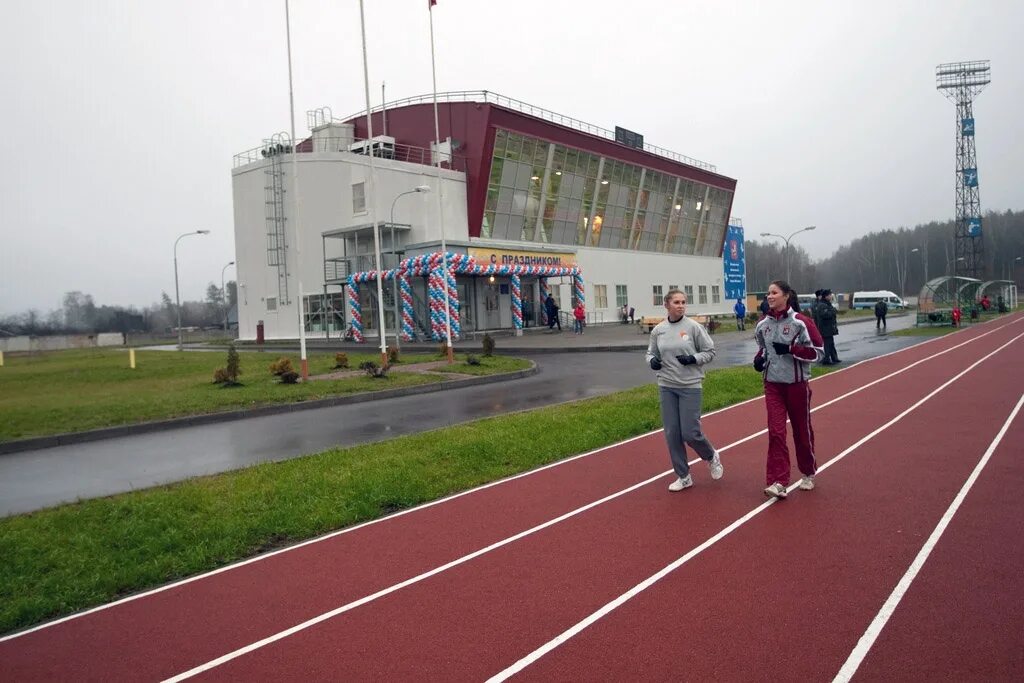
{"x": 227, "y": 416}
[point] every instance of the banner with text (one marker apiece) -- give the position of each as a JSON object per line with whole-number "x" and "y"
{"x": 503, "y": 257}
{"x": 735, "y": 264}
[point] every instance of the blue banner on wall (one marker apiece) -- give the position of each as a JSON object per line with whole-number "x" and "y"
{"x": 974, "y": 226}
{"x": 735, "y": 264}
{"x": 970, "y": 177}
{"x": 967, "y": 127}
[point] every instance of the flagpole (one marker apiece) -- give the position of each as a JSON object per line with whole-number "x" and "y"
{"x": 295, "y": 200}
{"x": 371, "y": 195}
{"x": 440, "y": 210}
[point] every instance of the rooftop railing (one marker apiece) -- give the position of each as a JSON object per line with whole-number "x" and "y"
{"x": 531, "y": 110}
{"x": 395, "y": 152}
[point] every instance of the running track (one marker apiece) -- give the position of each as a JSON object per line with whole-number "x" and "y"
{"x": 904, "y": 564}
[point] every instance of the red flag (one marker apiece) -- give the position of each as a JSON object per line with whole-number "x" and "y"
{"x": 431, "y": 3}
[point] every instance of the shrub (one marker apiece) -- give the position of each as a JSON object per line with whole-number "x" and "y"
{"x": 713, "y": 325}
{"x": 233, "y": 368}
{"x": 472, "y": 360}
{"x": 393, "y": 356}
{"x": 754, "y": 317}
{"x": 220, "y": 376}
{"x": 374, "y": 370}
{"x": 488, "y": 345}
{"x": 442, "y": 350}
{"x": 341, "y": 360}
{"x": 281, "y": 366}
{"x": 289, "y": 377}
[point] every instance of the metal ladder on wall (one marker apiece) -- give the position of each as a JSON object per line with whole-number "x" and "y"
{"x": 277, "y": 245}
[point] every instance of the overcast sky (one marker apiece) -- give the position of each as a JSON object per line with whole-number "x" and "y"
{"x": 120, "y": 119}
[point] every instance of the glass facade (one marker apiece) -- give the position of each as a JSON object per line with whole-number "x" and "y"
{"x": 548, "y": 193}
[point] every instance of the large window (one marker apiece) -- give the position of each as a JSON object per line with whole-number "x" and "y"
{"x": 600, "y": 296}
{"x": 703, "y": 291}
{"x": 540, "y": 191}
{"x": 621, "y": 297}
{"x": 658, "y": 296}
{"x": 716, "y": 294}
{"x": 689, "y": 293}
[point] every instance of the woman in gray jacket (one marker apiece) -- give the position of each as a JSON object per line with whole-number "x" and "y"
{"x": 678, "y": 348}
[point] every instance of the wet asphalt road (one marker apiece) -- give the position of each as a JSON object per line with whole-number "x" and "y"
{"x": 41, "y": 478}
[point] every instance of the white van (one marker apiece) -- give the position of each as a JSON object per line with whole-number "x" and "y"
{"x": 869, "y": 299}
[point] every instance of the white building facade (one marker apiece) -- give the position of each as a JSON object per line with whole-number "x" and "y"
{"x": 517, "y": 185}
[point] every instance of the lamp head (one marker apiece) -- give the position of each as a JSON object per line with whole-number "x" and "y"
{"x": 811, "y": 227}
{"x": 421, "y": 188}
{"x": 202, "y": 232}
{"x": 766, "y": 234}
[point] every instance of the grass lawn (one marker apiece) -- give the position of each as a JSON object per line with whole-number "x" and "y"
{"x": 65, "y": 559}
{"x": 924, "y": 331}
{"x": 69, "y": 391}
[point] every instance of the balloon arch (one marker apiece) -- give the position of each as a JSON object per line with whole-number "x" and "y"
{"x": 432, "y": 267}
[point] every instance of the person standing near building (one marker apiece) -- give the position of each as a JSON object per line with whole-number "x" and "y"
{"x": 579, "y": 315}
{"x": 787, "y": 344}
{"x": 740, "y": 309}
{"x": 828, "y": 326}
{"x": 551, "y": 311}
{"x": 677, "y": 350}
{"x": 881, "y": 308}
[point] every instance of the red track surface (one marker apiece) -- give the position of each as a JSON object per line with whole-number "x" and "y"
{"x": 787, "y": 594}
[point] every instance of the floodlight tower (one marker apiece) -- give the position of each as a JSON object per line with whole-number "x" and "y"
{"x": 961, "y": 82}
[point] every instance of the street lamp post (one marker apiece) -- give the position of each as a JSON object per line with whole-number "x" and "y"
{"x": 224, "y": 294}
{"x": 786, "y": 240}
{"x": 398, "y": 314}
{"x": 924, "y": 262}
{"x": 177, "y": 296}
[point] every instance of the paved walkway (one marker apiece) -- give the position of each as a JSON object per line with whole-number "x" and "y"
{"x": 31, "y": 480}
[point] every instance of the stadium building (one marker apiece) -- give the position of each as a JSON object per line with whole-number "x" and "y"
{"x": 531, "y": 202}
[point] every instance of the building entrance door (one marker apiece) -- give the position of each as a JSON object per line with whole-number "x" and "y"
{"x": 491, "y": 312}
{"x": 466, "y": 317}
{"x": 529, "y": 305}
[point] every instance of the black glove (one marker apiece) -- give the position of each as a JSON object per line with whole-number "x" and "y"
{"x": 780, "y": 348}
{"x": 655, "y": 364}
{"x": 759, "y": 363}
{"x": 686, "y": 360}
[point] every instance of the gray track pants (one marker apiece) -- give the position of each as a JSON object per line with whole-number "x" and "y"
{"x": 680, "y": 414}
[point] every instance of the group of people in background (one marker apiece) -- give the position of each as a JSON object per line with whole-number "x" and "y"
{"x": 788, "y": 342}
{"x": 579, "y": 315}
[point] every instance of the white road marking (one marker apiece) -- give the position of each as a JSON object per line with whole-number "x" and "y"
{"x": 882, "y": 618}
{"x": 569, "y": 633}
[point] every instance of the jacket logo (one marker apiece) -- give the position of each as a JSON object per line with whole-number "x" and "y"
{"x": 682, "y": 334}
{"x": 785, "y": 330}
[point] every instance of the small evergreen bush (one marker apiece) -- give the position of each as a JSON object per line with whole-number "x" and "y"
{"x": 472, "y": 360}
{"x": 488, "y": 345}
{"x": 289, "y": 377}
{"x": 341, "y": 360}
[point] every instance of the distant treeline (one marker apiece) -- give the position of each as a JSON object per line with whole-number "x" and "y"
{"x": 887, "y": 259}
{"x": 80, "y": 314}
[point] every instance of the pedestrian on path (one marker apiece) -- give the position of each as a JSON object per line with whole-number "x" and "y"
{"x": 551, "y": 311}
{"x": 825, "y": 319}
{"x": 740, "y": 309}
{"x": 579, "y": 315}
{"x": 788, "y": 342}
{"x": 678, "y": 347}
{"x": 881, "y": 308}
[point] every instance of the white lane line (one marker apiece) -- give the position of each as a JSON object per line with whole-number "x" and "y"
{"x": 454, "y": 563}
{"x": 882, "y": 618}
{"x": 424, "y": 506}
{"x": 574, "y": 630}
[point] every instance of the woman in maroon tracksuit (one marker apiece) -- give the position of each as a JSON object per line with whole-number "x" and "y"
{"x": 788, "y": 343}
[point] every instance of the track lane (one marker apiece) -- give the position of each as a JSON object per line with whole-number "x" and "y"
{"x": 165, "y": 632}
{"x": 420, "y": 626}
{"x": 789, "y": 594}
{"x": 961, "y": 618}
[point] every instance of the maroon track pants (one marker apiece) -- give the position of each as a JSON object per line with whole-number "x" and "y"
{"x": 794, "y": 401}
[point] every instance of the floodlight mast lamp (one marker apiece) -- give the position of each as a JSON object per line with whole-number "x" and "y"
{"x": 177, "y": 295}
{"x": 786, "y": 240}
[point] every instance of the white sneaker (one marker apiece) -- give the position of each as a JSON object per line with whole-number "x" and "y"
{"x": 807, "y": 483}
{"x": 715, "y": 465}
{"x": 681, "y": 483}
{"x": 775, "y": 491}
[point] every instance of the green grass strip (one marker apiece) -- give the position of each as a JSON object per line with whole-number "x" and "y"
{"x": 70, "y": 391}
{"x": 65, "y": 559}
